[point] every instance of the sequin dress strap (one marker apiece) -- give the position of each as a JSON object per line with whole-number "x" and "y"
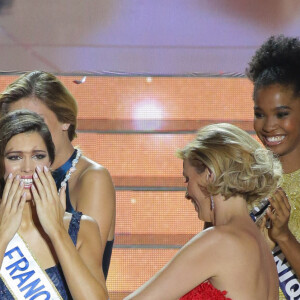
{"x": 74, "y": 226}
{"x": 60, "y": 174}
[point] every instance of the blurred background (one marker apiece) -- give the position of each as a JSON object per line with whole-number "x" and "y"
{"x": 155, "y": 71}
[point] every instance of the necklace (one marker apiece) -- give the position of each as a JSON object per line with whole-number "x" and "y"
{"x": 71, "y": 170}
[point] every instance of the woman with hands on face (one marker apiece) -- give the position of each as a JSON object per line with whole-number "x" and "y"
{"x": 89, "y": 186}
{"x": 274, "y": 70}
{"x": 45, "y": 253}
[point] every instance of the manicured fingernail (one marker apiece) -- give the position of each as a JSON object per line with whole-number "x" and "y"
{"x": 24, "y": 195}
{"x": 35, "y": 175}
{"x": 45, "y": 169}
{"x": 38, "y": 169}
{"x": 18, "y": 177}
{"x": 21, "y": 183}
{"x": 10, "y": 175}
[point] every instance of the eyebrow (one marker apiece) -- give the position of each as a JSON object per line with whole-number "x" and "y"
{"x": 276, "y": 108}
{"x": 18, "y": 152}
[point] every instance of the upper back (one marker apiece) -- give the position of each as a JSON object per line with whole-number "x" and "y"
{"x": 246, "y": 266}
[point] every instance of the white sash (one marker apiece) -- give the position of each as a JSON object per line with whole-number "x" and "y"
{"x": 288, "y": 281}
{"x": 23, "y": 276}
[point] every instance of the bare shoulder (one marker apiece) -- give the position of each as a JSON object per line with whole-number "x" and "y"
{"x": 93, "y": 183}
{"x": 207, "y": 241}
{"x": 220, "y": 241}
{"x": 90, "y": 168}
{"x": 212, "y": 236}
{"x": 239, "y": 244}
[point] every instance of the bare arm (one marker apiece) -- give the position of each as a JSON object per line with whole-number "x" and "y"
{"x": 82, "y": 268}
{"x": 96, "y": 198}
{"x": 188, "y": 267}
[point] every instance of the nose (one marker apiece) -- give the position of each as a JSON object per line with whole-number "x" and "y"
{"x": 269, "y": 124}
{"x": 28, "y": 166}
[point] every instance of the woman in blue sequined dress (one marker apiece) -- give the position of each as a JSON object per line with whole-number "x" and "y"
{"x": 89, "y": 186}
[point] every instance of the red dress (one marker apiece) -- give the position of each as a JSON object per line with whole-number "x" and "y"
{"x": 205, "y": 291}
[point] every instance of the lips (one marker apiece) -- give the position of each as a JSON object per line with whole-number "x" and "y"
{"x": 273, "y": 140}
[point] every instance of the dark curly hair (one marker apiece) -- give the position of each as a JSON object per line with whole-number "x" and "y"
{"x": 277, "y": 61}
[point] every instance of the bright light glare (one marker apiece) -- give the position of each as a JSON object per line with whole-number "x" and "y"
{"x": 148, "y": 109}
{"x": 151, "y": 112}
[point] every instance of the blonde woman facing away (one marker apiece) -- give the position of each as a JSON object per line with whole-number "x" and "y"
{"x": 225, "y": 171}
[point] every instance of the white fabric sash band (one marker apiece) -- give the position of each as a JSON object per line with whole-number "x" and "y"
{"x": 23, "y": 276}
{"x": 288, "y": 281}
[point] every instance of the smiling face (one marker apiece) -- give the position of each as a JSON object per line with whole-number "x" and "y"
{"x": 23, "y": 153}
{"x": 196, "y": 190}
{"x": 277, "y": 120}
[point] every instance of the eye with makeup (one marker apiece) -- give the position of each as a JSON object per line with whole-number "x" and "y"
{"x": 282, "y": 114}
{"x": 40, "y": 156}
{"x": 15, "y": 157}
{"x": 258, "y": 115}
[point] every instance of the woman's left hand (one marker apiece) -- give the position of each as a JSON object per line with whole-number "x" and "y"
{"x": 279, "y": 214}
{"x": 49, "y": 205}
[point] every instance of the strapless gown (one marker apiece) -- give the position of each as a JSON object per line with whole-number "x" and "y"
{"x": 205, "y": 291}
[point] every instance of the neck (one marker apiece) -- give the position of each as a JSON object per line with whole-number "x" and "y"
{"x": 62, "y": 155}
{"x": 290, "y": 163}
{"x": 226, "y": 210}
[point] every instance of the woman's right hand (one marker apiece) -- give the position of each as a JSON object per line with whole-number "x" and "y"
{"x": 279, "y": 214}
{"x": 11, "y": 207}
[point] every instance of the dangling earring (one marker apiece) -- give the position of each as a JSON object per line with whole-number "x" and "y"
{"x": 212, "y": 204}
{"x": 187, "y": 196}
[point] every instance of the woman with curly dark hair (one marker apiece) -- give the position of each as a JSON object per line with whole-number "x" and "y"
{"x": 275, "y": 72}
